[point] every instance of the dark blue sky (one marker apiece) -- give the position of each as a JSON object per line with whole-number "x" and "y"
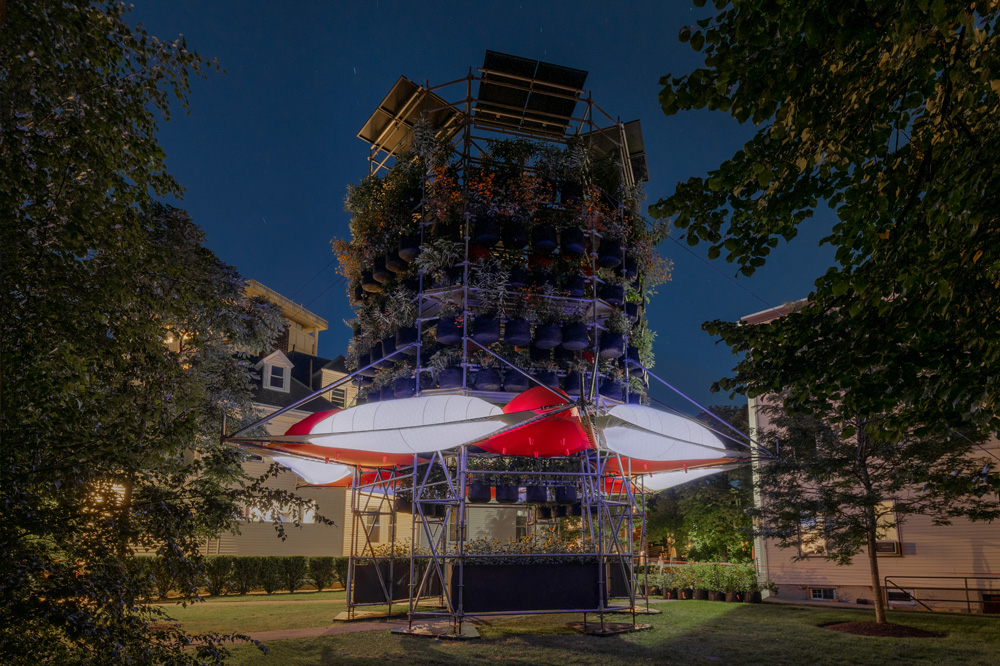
{"x": 270, "y": 145}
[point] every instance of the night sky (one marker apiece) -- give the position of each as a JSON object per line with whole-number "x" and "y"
{"x": 271, "y": 144}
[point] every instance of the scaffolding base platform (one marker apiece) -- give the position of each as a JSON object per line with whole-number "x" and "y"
{"x": 440, "y": 630}
{"x": 642, "y": 610}
{"x": 609, "y": 629}
{"x": 360, "y": 616}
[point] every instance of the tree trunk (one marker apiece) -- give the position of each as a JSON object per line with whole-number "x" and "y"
{"x": 870, "y": 524}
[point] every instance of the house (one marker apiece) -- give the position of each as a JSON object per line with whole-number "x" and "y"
{"x": 289, "y": 372}
{"x": 922, "y": 565}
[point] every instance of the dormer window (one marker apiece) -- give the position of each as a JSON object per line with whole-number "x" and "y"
{"x": 277, "y": 379}
{"x": 275, "y": 372}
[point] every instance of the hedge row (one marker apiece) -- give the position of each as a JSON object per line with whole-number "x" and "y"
{"x": 713, "y": 576}
{"x": 231, "y": 574}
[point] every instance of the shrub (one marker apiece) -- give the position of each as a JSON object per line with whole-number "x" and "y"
{"x": 340, "y": 565}
{"x": 140, "y": 570}
{"x": 163, "y": 577}
{"x": 321, "y": 571}
{"x": 293, "y": 570}
{"x": 218, "y": 569}
{"x": 270, "y": 573}
{"x": 245, "y": 574}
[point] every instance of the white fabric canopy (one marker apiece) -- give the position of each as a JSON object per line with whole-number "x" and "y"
{"x": 412, "y": 425}
{"x": 644, "y": 433}
{"x": 313, "y": 471}
{"x": 664, "y": 480}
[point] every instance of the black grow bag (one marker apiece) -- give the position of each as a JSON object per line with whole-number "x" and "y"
{"x": 492, "y": 588}
{"x": 367, "y": 589}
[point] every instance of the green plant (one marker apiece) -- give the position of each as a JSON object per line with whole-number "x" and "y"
{"x": 321, "y": 570}
{"x": 270, "y": 573}
{"x": 293, "y": 569}
{"x": 439, "y": 255}
{"x": 245, "y": 574}
{"x": 340, "y": 567}
{"x": 162, "y": 576}
{"x": 489, "y": 279}
{"x": 218, "y": 569}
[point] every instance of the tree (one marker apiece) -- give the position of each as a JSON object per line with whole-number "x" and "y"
{"x": 837, "y": 498}
{"x": 885, "y": 112}
{"x": 707, "y": 519}
{"x": 123, "y": 346}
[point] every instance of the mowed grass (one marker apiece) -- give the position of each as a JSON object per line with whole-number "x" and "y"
{"x": 690, "y": 632}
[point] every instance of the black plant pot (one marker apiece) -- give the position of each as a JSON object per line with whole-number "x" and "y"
{"x": 699, "y": 595}
{"x": 563, "y": 355}
{"x": 448, "y": 331}
{"x": 611, "y": 390}
{"x": 375, "y": 353}
{"x": 538, "y": 354}
{"x": 413, "y": 284}
{"x": 576, "y": 509}
{"x": 387, "y": 393}
{"x": 514, "y": 235}
{"x": 548, "y": 378}
{"x": 379, "y": 271}
{"x": 485, "y": 230}
{"x": 575, "y": 336}
{"x": 517, "y": 332}
{"x": 450, "y": 378}
{"x": 359, "y": 292}
{"x": 566, "y": 494}
{"x": 388, "y": 345}
{"x": 633, "y": 362}
{"x": 548, "y": 336}
{"x": 612, "y": 345}
{"x": 613, "y": 294}
{"x": 543, "y": 278}
{"x": 634, "y": 398}
{"x": 561, "y": 511}
{"x": 515, "y": 382}
{"x": 544, "y": 512}
{"x": 486, "y": 329}
{"x": 629, "y": 269}
{"x": 572, "y": 384}
{"x": 506, "y": 494}
{"x": 479, "y": 493}
{"x": 632, "y": 311}
{"x": 536, "y": 494}
{"x": 407, "y": 336}
{"x": 395, "y": 264}
{"x": 369, "y": 284}
{"x": 575, "y": 286}
{"x": 519, "y": 277}
{"x": 609, "y": 254}
{"x": 373, "y": 396}
{"x": 404, "y": 387}
{"x": 363, "y": 360}
{"x": 409, "y": 248}
{"x": 488, "y": 379}
{"x": 402, "y": 505}
{"x": 752, "y": 597}
{"x": 543, "y": 239}
{"x": 574, "y": 242}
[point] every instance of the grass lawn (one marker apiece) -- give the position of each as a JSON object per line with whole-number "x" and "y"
{"x": 690, "y": 632}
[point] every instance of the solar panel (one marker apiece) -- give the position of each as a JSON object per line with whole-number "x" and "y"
{"x": 527, "y": 95}
{"x": 388, "y": 128}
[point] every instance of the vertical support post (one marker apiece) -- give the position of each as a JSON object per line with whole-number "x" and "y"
{"x": 413, "y": 541}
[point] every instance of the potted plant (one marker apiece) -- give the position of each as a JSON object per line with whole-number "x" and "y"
{"x": 443, "y": 366}
{"x": 612, "y": 341}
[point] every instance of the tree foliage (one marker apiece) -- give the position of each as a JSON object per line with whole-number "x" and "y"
{"x": 123, "y": 344}
{"x": 707, "y": 519}
{"x": 885, "y": 111}
{"x": 838, "y": 496}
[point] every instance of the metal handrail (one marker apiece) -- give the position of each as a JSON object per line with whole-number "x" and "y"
{"x": 891, "y": 582}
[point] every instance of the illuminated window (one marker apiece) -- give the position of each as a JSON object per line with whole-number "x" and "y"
{"x": 812, "y": 540}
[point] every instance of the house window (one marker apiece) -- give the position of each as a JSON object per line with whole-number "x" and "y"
{"x": 521, "y": 524}
{"x": 885, "y": 519}
{"x": 823, "y": 593}
{"x": 811, "y": 538}
{"x": 338, "y": 396}
{"x": 900, "y": 597}
{"x": 373, "y": 527}
{"x": 276, "y": 378}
